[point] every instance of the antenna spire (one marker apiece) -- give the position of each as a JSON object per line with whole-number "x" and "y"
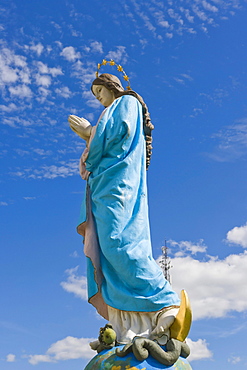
{"x": 165, "y": 263}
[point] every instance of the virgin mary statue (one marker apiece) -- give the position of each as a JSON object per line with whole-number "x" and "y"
{"x": 125, "y": 284}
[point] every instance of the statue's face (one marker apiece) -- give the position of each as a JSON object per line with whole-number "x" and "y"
{"x": 105, "y": 96}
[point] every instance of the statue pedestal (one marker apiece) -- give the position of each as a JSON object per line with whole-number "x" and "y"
{"x": 108, "y": 360}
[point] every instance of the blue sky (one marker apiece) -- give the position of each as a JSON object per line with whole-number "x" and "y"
{"x": 188, "y": 60}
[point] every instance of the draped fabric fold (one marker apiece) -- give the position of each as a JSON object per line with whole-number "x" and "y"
{"x": 114, "y": 220}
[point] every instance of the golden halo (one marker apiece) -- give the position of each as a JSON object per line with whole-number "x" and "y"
{"x": 119, "y": 68}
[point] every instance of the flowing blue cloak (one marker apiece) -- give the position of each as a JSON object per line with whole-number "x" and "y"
{"x": 132, "y": 280}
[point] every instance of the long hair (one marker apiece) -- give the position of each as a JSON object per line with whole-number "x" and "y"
{"x": 112, "y": 83}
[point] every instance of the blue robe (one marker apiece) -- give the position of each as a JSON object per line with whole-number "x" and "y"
{"x": 130, "y": 279}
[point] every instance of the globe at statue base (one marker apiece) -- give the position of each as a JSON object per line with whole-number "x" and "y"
{"x": 108, "y": 360}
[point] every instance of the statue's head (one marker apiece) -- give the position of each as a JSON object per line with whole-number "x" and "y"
{"x": 106, "y": 88}
{"x": 111, "y": 88}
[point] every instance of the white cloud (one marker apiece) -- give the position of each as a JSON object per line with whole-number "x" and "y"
{"x": 64, "y": 170}
{"x": 19, "y": 60}
{"x": 13, "y": 68}
{"x": 187, "y": 246}
{"x": 232, "y": 142}
{"x": 179, "y": 80}
{"x": 238, "y": 235}
{"x": 75, "y": 284}
{"x": 74, "y": 32}
{"x": 8, "y": 63}
{"x": 119, "y": 55}
{"x": 164, "y": 24}
{"x": 9, "y": 57}
{"x": 64, "y": 92}
{"x": 91, "y": 101}
{"x": 43, "y": 80}
{"x": 241, "y": 120}
{"x": 75, "y": 254}
{"x": 187, "y": 77}
{"x": 89, "y": 117}
{"x": 187, "y": 14}
{"x": 56, "y": 25}
{"x": 51, "y": 172}
{"x": 96, "y": 47}
{"x": 209, "y": 7}
{"x": 35, "y": 359}
{"x": 198, "y": 350}
{"x": 38, "y": 48}
{"x": 3, "y": 204}
{"x": 234, "y": 360}
{"x": 169, "y": 35}
{"x": 8, "y": 108}
{"x": 84, "y": 72}
{"x": 147, "y": 22}
{"x": 59, "y": 44}
{"x": 175, "y": 16}
{"x": 160, "y": 17}
{"x": 21, "y": 152}
{"x": 191, "y": 30}
{"x": 24, "y": 76}
{"x": 200, "y": 14}
{"x": 13, "y": 121}
{"x": 69, "y": 348}
{"x": 7, "y": 74}
{"x": 55, "y": 71}
{"x": 42, "y": 94}
{"x": 9, "y": 122}
{"x": 44, "y": 69}
{"x": 215, "y": 286}
{"x": 70, "y": 54}
{"x": 10, "y": 357}
{"x": 153, "y": 15}
{"x": 42, "y": 151}
{"x": 21, "y": 91}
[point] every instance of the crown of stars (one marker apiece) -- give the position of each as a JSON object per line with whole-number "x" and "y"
{"x": 119, "y": 68}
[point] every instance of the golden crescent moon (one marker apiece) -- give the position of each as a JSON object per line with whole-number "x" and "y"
{"x": 181, "y": 326}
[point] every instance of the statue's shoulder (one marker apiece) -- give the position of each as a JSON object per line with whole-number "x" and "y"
{"x": 127, "y": 100}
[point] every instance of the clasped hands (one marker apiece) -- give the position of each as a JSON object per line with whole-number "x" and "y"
{"x": 80, "y": 126}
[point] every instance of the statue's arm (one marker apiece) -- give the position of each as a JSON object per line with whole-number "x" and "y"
{"x": 80, "y": 126}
